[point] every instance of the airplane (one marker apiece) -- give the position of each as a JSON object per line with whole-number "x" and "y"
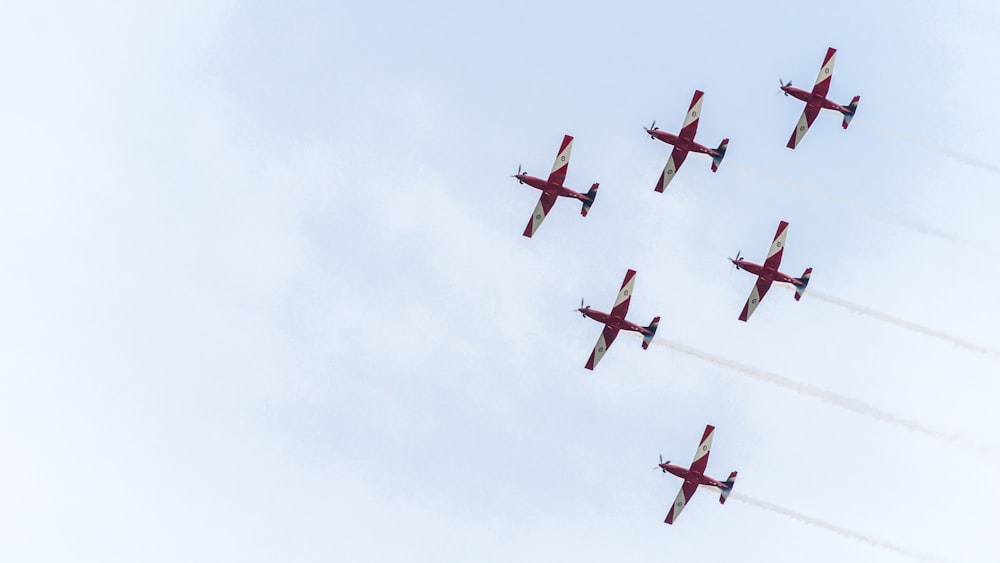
{"x": 769, "y": 273}
{"x": 684, "y": 143}
{"x": 695, "y": 476}
{"x": 817, "y": 100}
{"x": 616, "y": 321}
{"x": 553, "y": 188}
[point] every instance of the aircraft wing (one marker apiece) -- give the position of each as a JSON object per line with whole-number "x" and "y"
{"x": 677, "y": 157}
{"x": 825, "y": 73}
{"x": 700, "y": 462}
{"x": 604, "y": 342}
{"x": 805, "y": 122}
{"x": 624, "y": 296}
{"x": 683, "y": 497}
{"x": 545, "y": 203}
{"x": 756, "y": 294}
{"x": 777, "y": 247}
{"x": 561, "y": 165}
{"x": 690, "y": 126}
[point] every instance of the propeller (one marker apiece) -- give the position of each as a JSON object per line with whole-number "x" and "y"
{"x": 652, "y": 128}
{"x": 783, "y": 85}
{"x": 582, "y": 307}
{"x": 661, "y": 463}
{"x": 735, "y": 260}
{"x": 518, "y": 174}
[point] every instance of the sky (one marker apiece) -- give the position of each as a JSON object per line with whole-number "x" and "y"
{"x": 265, "y": 296}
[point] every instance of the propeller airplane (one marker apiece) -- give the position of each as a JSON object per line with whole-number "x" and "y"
{"x": 684, "y": 143}
{"x": 615, "y": 321}
{"x": 817, "y": 100}
{"x": 553, "y": 188}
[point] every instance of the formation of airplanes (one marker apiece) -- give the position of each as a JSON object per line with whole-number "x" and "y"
{"x": 683, "y": 143}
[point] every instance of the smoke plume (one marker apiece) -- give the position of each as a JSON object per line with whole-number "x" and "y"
{"x": 914, "y": 327}
{"x": 829, "y": 397}
{"x": 918, "y": 142}
{"x": 845, "y": 532}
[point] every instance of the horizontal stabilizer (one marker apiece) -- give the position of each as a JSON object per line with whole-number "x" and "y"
{"x": 717, "y": 160}
{"x": 800, "y": 287}
{"x": 647, "y": 338}
{"x": 591, "y": 196}
{"x": 727, "y": 487}
{"x": 851, "y": 109}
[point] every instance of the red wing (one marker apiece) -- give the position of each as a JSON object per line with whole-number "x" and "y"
{"x": 604, "y": 342}
{"x": 561, "y": 165}
{"x": 825, "y": 73}
{"x": 545, "y": 204}
{"x": 677, "y": 157}
{"x": 700, "y": 462}
{"x": 690, "y": 126}
{"x": 777, "y": 247}
{"x": 805, "y": 122}
{"x": 756, "y": 294}
{"x": 624, "y": 296}
{"x": 683, "y": 497}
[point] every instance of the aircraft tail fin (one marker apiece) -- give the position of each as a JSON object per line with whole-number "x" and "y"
{"x": 727, "y": 487}
{"x": 591, "y": 196}
{"x": 647, "y": 338}
{"x": 853, "y": 107}
{"x": 800, "y": 288}
{"x": 717, "y": 160}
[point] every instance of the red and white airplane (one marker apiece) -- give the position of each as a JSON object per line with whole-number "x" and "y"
{"x": 616, "y": 322}
{"x": 768, "y": 273}
{"x": 817, "y": 100}
{"x": 553, "y": 188}
{"x": 695, "y": 476}
{"x": 684, "y": 143}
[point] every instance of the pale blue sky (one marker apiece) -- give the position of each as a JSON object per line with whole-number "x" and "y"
{"x": 266, "y": 297}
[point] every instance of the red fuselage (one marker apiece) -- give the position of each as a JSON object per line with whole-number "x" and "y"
{"x": 620, "y": 324}
{"x": 690, "y": 475}
{"x": 766, "y": 273}
{"x": 814, "y": 100}
{"x": 684, "y": 144}
{"x": 550, "y": 187}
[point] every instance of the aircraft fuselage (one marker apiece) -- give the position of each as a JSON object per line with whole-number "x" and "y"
{"x": 690, "y": 475}
{"x": 766, "y": 273}
{"x": 679, "y": 142}
{"x": 605, "y": 318}
{"x": 550, "y": 187}
{"x": 814, "y": 100}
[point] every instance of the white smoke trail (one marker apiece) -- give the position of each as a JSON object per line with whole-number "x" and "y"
{"x": 916, "y": 141}
{"x": 845, "y": 532}
{"x": 878, "y": 315}
{"x": 846, "y": 403}
{"x": 877, "y": 214}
